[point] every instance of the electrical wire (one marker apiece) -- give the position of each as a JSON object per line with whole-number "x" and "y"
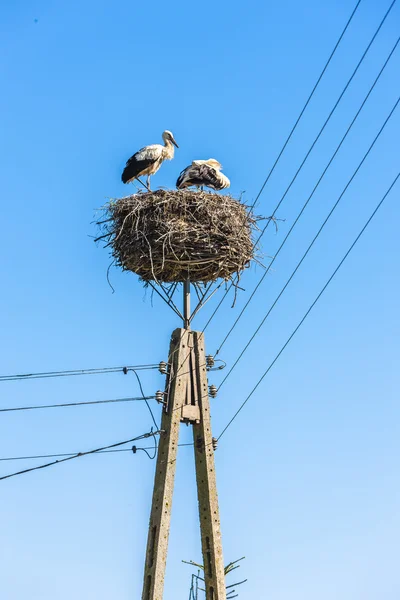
{"x": 80, "y": 454}
{"x": 307, "y": 201}
{"x": 286, "y": 143}
{"x": 68, "y": 404}
{"x": 37, "y": 456}
{"x": 311, "y": 244}
{"x": 314, "y": 239}
{"x": 146, "y": 450}
{"x": 104, "y": 370}
{"x": 310, "y": 149}
{"x": 306, "y": 104}
{"x": 272, "y": 169}
{"x": 134, "y": 369}
{"x": 310, "y": 308}
{"x": 145, "y": 399}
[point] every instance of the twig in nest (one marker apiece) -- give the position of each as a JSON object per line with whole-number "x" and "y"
{"x": 101, "y": 237}
{"x": 274, "y": 220}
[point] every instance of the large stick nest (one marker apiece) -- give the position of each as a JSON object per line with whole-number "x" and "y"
{"x": 168, "y": 236}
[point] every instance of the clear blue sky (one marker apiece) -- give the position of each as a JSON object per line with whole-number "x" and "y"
{"x": 308, "y": 474}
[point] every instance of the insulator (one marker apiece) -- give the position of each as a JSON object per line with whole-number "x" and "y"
{"x": 210, "y": 362}
{"x": 215, "y": 443}
{"x": 213, "y": 391}
{"x": 160, "y": 396}
{"x": 134, "y": 449}
{"x": 162, "y": 367}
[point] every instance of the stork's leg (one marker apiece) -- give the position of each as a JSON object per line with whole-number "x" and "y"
{"x": 143, "y": 184}
{"x": 148, "y": 182}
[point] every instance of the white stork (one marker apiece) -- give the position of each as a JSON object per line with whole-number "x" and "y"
{"x": 203, "y": 173}
{"x": 149, "y": 159}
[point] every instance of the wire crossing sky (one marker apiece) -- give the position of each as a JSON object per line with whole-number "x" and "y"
{"x": 308, "y": 199}
{"x": 319, "y": 133}
{"x": 312, "y": 305}
{"x": 79, "y": 455}
{"x": 100, "y": 371}
{"x": 71, "y": 404}
{"x": 312, "y": 242}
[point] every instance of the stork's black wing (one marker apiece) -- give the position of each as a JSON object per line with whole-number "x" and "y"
{"x": 139, "y": 162}
{"x": 209, "y": 177}
{"x": 200, "y": 175}
{"x": 181, "y": 177}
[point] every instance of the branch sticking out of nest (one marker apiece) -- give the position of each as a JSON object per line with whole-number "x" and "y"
{"x": 168, "y": 236}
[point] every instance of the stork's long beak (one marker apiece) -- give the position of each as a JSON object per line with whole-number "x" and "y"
{"x": 174, "y": 142}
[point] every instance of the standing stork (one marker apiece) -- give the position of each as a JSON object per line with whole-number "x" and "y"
{"x": 203, "y": 173}
{"x": 149, "y": 159}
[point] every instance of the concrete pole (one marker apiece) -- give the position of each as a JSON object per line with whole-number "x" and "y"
{"x": 210, "y": 526}
{"x": 160, "y": 517}
{"x": 187, "y": 400}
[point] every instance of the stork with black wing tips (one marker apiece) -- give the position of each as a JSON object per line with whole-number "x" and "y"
{"x": 149, "y": 159}
{"x": 203, "y": 173}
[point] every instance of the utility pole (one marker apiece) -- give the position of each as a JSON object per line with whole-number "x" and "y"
{"x": 186, "y": 400}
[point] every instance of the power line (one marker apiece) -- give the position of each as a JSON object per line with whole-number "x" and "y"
{"x": 135, "y": 449}
{"x": 310, "y": 308}
{"x": 145, "y": 399}
{"x": 272, "y": 169}
{"x": 68, "y": 404}
{"x": 104, "y": 370}
{"x": 308, "y": 199}
{"x": 37, "y": 456}
{"x": 311, "y": 147}
{"x": 307, "y": 103}
{"x": 80, "y": 454}
{"x": 312, "y": 242}
{"x": 286, "y": 143}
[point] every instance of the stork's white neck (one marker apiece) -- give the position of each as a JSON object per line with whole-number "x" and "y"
{"x": 169, "y": 150}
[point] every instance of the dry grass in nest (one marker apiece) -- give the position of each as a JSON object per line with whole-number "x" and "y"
{"x": 172, "y": 235}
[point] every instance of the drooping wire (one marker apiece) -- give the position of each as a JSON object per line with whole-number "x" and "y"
{"x": 80, "y": 454}
{"x": 310, "y": 308}
{"x": 105, "y": 370}
{"x": 307, "y": 201}
{"x": 310, "y": 149}
{"x": 145, "y": 399}
{"x": 68, "y": 404}
{"x": 145, "y": 450}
